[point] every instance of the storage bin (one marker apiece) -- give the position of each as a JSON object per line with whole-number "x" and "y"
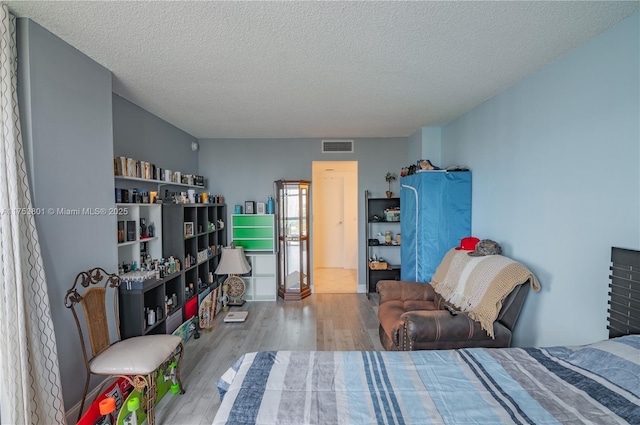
{"x": 378, "y": 265}
{"x": 392, "y": 215}
{"x": 191, "y": 308}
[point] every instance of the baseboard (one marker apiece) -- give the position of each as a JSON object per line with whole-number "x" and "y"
{"x": 72, "y": 414}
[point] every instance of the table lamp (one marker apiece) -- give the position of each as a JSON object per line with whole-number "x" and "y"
{"x": 233, "y": 263}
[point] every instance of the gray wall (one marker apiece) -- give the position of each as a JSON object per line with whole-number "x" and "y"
{"x": 65, "y": 104}
{"x": 432, "y": 146}
{"x": 426, "y": 143}
{"x": 414, "y": 149}
{"x": 245, "y": 169}
{"x": 141, "y": 135}
{"x": 556, "y": 179}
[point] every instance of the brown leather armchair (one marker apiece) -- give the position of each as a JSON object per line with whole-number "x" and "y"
{"x": 414, "y": 317}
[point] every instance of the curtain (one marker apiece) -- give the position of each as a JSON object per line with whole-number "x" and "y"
{"x": 30, "y": 390}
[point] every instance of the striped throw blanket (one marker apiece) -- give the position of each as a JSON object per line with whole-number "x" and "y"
{"x": 478, "y": 285}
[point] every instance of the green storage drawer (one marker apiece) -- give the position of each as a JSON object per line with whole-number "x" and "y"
{"x": 255, "y": 244}
{"x": 253, "y": 220}
{"x": 253, "y": 232}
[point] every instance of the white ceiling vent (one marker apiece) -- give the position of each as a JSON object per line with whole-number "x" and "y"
{"x": 332, "y": 146}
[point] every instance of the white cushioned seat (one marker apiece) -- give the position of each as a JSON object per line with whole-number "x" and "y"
{"x": 139, "y": 355}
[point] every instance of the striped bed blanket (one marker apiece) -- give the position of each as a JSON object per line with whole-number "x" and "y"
{"x": 591, "y": 384}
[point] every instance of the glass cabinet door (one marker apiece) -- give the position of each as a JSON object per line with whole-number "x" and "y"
{"x": 293, "y": 239}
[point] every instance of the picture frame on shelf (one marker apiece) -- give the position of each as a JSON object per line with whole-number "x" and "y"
{"x": 248, "y": 207}
{"x": 188, "y": 229}
{"x": 260, "y": 208}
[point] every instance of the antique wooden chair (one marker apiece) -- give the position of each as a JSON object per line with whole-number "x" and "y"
{"x": 137, "y": 359}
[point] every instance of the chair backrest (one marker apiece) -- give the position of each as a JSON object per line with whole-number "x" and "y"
{"x": 89, "y": 290}
{"x": 512, "y": 305}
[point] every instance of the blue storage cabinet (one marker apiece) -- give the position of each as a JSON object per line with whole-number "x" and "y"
{"x": 435, "y": 214}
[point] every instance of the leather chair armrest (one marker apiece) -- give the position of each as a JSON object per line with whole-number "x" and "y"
{"x": 438, "y": 329}
{"x": 404, "y": 291}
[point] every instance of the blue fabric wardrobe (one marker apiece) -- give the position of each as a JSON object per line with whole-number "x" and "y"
{"x": 435, "y": 214}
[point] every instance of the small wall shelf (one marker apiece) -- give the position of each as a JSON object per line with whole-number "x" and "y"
{"x": 157, "y": 182}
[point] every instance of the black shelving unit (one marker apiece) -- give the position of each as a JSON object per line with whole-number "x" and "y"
{"x": 206, "y": 233}
{"x": 377, "y": 222}
{"x": 134, "y": 302}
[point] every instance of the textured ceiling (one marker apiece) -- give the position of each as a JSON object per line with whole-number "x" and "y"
{"x": 319, "y": 69}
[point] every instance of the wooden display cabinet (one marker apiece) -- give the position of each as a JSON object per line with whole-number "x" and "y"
{"x": 294, "y": 280}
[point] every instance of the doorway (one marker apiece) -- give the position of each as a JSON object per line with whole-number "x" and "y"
{"x": 335, "y": 226}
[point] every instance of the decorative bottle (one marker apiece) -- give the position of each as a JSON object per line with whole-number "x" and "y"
{"x": 270, "y": 206}
{"x": 143, "y": 228}
{"x": 151, "y": 316}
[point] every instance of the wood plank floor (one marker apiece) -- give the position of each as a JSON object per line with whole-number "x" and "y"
{"x": 323, "y": 322}
{"x": 335, "y": 280}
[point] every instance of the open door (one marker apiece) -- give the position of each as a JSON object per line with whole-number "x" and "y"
{"x": 335, "y": 226}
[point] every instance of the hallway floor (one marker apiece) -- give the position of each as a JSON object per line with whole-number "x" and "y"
{"x": 329, "y": 280}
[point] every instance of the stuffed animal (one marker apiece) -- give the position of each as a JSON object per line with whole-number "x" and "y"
{"x": 425, "y": 164}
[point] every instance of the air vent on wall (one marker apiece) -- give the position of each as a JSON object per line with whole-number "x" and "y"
{"x": 332, "y": 146}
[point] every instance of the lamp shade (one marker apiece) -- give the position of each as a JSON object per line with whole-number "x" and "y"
{"x": 233, "y": 261}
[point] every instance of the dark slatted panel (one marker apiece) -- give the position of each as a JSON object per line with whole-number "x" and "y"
{"x": 624, "y": 293}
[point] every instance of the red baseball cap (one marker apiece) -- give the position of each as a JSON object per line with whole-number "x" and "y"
{"x": 468, "y": 244}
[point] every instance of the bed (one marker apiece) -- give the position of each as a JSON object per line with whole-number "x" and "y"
{"x": 597, "y": 383}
